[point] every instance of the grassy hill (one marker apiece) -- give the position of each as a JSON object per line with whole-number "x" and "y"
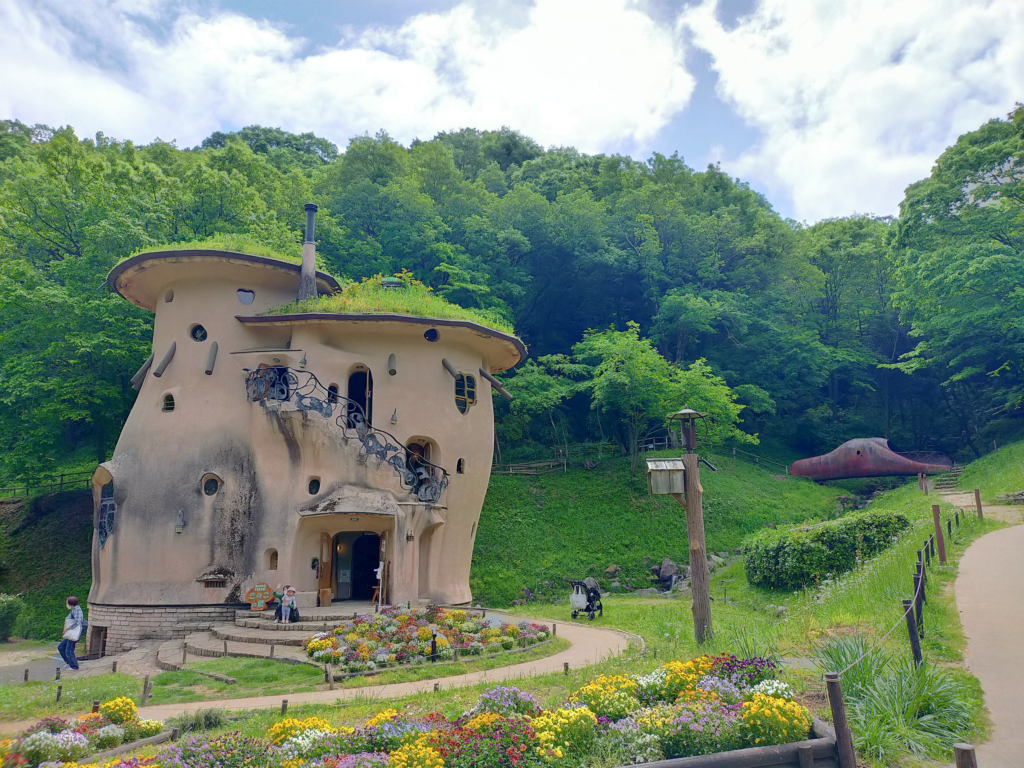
{"x": 575, "y": 524}
{"x": 44, "y": 554}
{"x": 996, "y": 473}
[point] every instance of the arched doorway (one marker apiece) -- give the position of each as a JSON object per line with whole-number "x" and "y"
{"x": 360, "y": 396}
{"x": 356, "y": 557}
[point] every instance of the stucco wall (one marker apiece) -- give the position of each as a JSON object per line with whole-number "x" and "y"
{"x": 264, "y": 457}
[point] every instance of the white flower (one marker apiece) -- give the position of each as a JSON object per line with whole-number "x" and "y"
{"x": 773, "y": 688}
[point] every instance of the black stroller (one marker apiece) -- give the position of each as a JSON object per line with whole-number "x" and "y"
{"x": 586, "y": 598}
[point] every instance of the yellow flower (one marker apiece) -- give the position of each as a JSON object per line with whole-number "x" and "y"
{"x": 120, "y": 710}
{"x": 283, "y": 730}
{"x": 382, "y": 717}
{"x": 482, "y": 721}
{"x": 415, "y": 755}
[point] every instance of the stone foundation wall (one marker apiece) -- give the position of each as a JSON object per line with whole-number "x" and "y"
{"x": 126, "y": 625}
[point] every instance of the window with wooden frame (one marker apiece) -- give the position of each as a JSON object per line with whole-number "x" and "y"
{"x": 465, "y": 392}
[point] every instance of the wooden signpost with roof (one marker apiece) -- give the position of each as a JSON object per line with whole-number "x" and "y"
{"x": 680, "y": 478}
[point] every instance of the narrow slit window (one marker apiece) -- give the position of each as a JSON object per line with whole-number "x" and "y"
{"x": 465, "y": 392}
{"x": 460, "y": 467}
{"x": 168, "y": 404}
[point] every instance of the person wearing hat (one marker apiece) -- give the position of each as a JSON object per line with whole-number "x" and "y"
{"x": 287, "y": 600}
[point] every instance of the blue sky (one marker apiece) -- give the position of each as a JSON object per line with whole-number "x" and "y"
{"x": 828, "y": 107}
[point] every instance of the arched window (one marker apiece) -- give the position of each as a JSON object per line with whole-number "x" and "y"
{"x": 465, "y": 392}
{"x": 460, "y": 466}
{"x": 168, "y": 404}
{"x": 271, "y": 559}
{"x": 332, "y": 394}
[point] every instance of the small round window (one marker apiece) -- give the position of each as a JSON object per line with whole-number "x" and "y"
{"x": 198, "y": 333}
{"x": 432, "y": 335}
{"x": 314, "y": 486}
{"x": 244, "y": 296}
{"x": 211, "y": 485}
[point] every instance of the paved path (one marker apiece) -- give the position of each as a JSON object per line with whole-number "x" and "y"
{"x": 589, "y": 646}
{"x": 990, "y": 597}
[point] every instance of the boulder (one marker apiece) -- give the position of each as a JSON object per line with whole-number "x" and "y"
{"x": 667, "y": 570}
{"x": 612, "y": 569}
{"x": 615, "y": 586}
{"x": 682, "y": 585}
{"x": 649, "y": 592}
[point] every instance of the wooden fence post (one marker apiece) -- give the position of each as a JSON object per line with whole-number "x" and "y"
{"x": 26, "y": 675}
{"x": 927, "y": 555}
{"x": 938, "y": 534}
{"x": 284, "y": 707}
{"x": 565, "y": 667}
{"x": 145, "y": 690}
{"x": 805, "y": 753}
{"x": 912, "y": 630}
{"x": 964, "y": 754}
{"x": 59, "y": 689}
{"x": 96, "y": 705}
{"x": 330, "y": 676}
{"x": 977, "y": 503}
{"x": 844, "y": 739}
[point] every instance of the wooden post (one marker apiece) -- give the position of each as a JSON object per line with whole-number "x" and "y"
{"x": 927, "y": 554}
{"x": 949, "y": 528}
{"x": 271, "y": 650}
{"x": 964, "y": 754}
{"x": 915, "y": 640}
{"x": 844, "y": 739}
{"x": 565, "y": 667}
{"x": 184, "y": 654}
{"x": 59, "y": 689}
{"x": 225, "y": 647}
{"x": 956, "y": 516}
{"x": 554, "y": 630}
{"x": 805, "y": 753}
{"x": 700, "y": 575}
{"x": 330, "y": 676}
{"x": 56, "y": 673}
{"x": 938, "y": 534}
{"x": 145, "y": 690}
{"x": 977, "y": 503}
{"x": 437, "y": 687}
{"x": 931, "y": 541}
{"x": 26, "y": 675}
{"x": 284, "y": 707}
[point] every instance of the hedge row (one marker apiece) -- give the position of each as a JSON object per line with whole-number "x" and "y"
{"x": 801, "y": 556}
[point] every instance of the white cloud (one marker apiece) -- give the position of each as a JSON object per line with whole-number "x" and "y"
{"x": 854, "y": 99}
{"x": 596, "y": 75}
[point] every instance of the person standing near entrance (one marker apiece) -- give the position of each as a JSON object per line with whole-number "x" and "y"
{"x": 287, "y": 599}
{"x": 74, "y": 623}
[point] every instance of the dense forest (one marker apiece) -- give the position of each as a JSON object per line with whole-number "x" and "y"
{"x": 637, "y": 286}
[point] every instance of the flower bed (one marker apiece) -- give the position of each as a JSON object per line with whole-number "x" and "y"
{"x": 55, "y": 740}
{"x": 698, "y": 707}
{"x": 398, "y": 636}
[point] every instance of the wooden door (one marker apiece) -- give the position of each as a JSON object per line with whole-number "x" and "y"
{"x": 324, "y": 576}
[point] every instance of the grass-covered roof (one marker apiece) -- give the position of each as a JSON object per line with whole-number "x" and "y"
{"x": 227, "y": 242}
{"x": 408, "y": 296}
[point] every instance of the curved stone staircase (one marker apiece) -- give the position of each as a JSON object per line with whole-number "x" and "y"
{"x": 253, "y": 634}
{"x": 947, "y": 482}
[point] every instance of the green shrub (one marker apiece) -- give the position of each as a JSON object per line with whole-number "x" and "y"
{"x": 11, "y": 607}
{"x": 796, "y": 557}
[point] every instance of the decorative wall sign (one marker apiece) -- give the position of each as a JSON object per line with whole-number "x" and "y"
{"x": 259, "y": 596}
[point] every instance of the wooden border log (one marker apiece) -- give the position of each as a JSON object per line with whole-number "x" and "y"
{"x": 160, "y": 738}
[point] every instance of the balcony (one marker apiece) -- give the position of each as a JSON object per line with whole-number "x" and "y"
{"x": 272, "y": 385}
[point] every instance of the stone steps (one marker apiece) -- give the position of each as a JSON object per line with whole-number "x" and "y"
{"x": 207, "y": 645}
{"x": 308, "y": 627}
{"x": 263, "y": 637}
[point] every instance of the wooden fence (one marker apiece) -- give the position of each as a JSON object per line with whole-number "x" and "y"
{"x": 68, "y": 481}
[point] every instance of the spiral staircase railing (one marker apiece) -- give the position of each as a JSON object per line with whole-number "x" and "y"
{"x": 424, "y": 481}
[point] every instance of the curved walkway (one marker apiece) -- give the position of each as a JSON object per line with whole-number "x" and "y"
{"x": 990, "y": 598}
{"x": 590, "y": 645}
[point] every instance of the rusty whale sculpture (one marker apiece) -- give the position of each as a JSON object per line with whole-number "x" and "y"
{"x": 869, "y": 457}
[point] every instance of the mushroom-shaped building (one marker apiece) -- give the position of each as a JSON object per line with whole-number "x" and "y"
{"x": 347, "y": 454}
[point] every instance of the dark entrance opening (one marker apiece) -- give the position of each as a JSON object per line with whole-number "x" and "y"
{"x": 356, "y": 557}
{"x": 360, "y": 396}
{"x": 365, "y": 559}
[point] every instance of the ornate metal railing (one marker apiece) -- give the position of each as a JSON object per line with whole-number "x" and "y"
{"x": 423, "y": 480}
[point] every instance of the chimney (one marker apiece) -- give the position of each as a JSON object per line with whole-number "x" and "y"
{"x": 307, "y": 281}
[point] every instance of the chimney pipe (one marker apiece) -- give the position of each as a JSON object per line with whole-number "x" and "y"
{"x": 307, "y": 281}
